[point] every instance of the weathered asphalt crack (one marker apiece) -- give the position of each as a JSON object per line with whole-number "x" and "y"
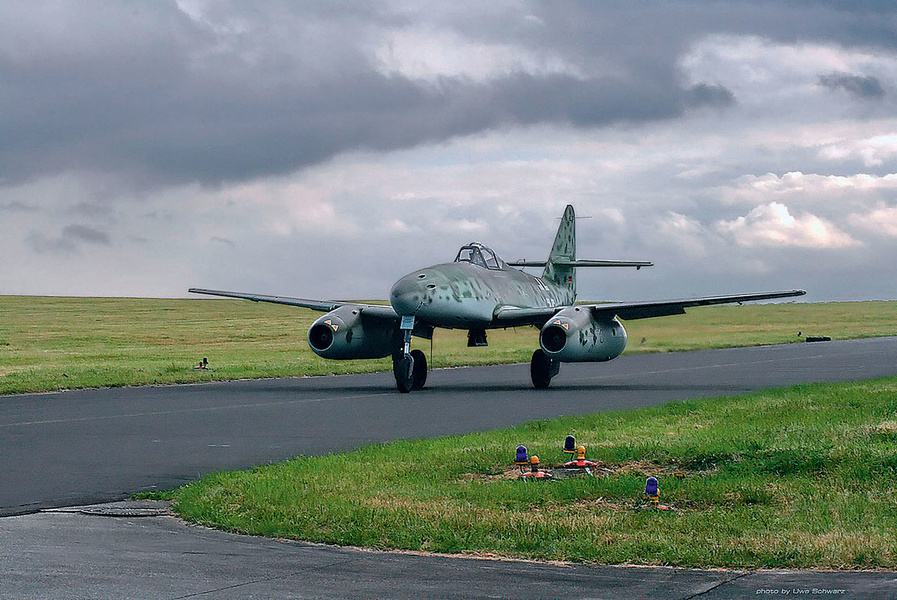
{"x": 717, "y": 586}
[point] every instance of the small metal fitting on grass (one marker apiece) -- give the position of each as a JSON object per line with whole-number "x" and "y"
{"x": 535, "y": 472}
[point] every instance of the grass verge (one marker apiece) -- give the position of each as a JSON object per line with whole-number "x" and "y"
{"x": 51, "y": 344}
{"x": 802, "y": 477}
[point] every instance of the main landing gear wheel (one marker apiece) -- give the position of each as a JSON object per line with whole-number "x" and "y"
{"x": 542, "y": 369}
{"x": 403, "y": 368}
{"x": 418, "y": 369}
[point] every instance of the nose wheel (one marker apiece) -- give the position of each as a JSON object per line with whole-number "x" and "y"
{"x": 403, "y": 368}
{"x": 410, "y": 371}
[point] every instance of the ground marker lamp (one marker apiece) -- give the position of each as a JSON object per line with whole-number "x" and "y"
{"x": 570, "y": 445}
{"x": 533, "y": 468}
{"x": 521, "y": 459}
{"x": 652, "y": 493}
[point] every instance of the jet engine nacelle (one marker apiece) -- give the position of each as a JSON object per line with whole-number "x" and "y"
{"x": 574, "y": 335}
{"x": 344, "y": 333}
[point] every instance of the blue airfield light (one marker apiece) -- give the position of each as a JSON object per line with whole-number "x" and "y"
{"x": 652, "y": 492}
{"x": 521, "y": 459}
{"x": 570, "y": 445}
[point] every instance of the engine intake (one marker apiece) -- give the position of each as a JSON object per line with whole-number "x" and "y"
{"x": 574, "y": 335}
{"x": 320, "y": 337}
{"x": 345, "y": 333}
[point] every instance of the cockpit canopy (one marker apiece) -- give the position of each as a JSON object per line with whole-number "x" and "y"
{"x": 481, "y": 256}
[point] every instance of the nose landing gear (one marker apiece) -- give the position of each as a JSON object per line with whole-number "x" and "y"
{"x": 409, "y": 366}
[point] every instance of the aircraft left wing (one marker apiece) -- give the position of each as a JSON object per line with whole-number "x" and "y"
{"x": 644, "y": 310}
{"x": 374, "y": 310}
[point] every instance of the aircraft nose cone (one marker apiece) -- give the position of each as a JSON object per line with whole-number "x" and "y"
{"x": 407, "y": 295}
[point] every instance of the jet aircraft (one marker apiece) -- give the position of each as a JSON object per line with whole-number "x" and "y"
{"x": 479, "y": 291}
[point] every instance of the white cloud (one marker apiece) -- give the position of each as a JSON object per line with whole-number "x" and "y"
{"x": 872, "y": 151}
{"x": 467, "y": 226}
{"x": 428, "y": 54}
{"x": 610, "y": 216}
{"x": 755, "y": 188}
{"x": 772, "y": 225}
{"x": 290, "y": 206}
{"x": 684, "y": 233}
{"x": 880, "y": 221}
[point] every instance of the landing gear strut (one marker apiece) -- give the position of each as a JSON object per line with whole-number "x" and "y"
{"x": 542, "y": 369}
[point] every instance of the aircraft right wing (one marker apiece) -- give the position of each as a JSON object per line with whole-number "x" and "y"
{"x": 644, "y": 310}
{"x": 374, "y": 310}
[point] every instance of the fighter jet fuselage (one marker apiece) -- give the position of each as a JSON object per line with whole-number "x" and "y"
{"x": 464, "y": 295}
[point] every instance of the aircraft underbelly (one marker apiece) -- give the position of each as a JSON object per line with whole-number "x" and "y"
{"x": 461, "y": 313}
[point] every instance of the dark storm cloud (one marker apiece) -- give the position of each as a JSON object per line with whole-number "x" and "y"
{"x": 147, "y": 91}
{"x": 866, "y": 88}
{"x": 705, "y": 94}
{"x": 225, "y": 241}
{"x": 17, "y": 207}
{"x": 83, "y": 233}
{"x": 70, "y": 239}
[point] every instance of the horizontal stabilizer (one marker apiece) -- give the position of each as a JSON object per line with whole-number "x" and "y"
{"x": 638, "y": 264}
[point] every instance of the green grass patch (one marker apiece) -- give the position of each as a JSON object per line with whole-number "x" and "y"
{"x": 66, "y": 343}
{"x": 802, "y": 477}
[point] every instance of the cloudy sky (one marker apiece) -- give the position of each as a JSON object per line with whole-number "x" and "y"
{"x": 325, "y": 149}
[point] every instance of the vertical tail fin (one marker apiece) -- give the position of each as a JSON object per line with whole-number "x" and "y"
{"x": 564, "y": 248}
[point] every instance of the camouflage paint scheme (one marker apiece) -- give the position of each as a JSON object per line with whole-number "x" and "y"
{"x": 464, "y": 294}
{"x": 479, "y": 291}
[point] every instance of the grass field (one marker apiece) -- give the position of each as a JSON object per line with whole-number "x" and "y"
{"x": 66, "y": 343}
{"x": 802, "y": 477}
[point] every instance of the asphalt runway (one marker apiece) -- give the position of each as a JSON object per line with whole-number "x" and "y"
{"x": 94, "y": 446}
{"x": 72, "y": 448}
